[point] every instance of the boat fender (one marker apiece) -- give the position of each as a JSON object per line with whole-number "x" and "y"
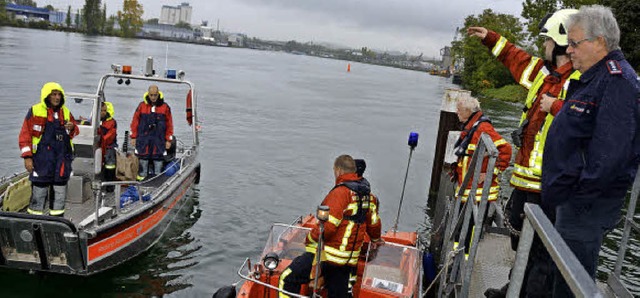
{"x": 429, "y": 266}
{"x": 172, "y": 168}
{"x": 197, "y": 179}
{"x": 225, "y": 292}
{"x": 189, "y": 108}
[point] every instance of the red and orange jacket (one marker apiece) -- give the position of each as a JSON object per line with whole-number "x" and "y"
{"x": 502, "y": 162}
{"x": 349, "y": 221}
{"x": 37, "y": 118}
{"x": 539, "y": 78}
{"x": 146, "y": 107}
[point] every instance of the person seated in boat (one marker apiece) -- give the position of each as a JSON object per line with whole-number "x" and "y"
{"x": 353, "y": 212}
{"x": 45, "y": 141}
{"x": 151, "y": 132}
{"x": 108, "y": 132}
{"x": 474, "y": 124}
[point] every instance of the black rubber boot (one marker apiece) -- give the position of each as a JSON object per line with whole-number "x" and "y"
{"x": 110, "y": 175}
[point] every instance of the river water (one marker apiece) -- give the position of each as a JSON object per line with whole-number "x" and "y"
{"x": 272, "y": 123}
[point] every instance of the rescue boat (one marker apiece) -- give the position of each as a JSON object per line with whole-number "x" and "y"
{"x": 102, "y": 229}
{"x": 393, "y": 269}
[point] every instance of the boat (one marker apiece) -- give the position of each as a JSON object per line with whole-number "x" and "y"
{"x": 102, "y": 229}
{"x": 393, "y": 269}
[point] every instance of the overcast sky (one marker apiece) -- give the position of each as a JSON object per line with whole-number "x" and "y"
{"x": 414, "y": 26}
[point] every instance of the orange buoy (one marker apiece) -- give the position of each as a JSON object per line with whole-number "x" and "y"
{"x": 348, "y": 67}
{"x": 189, "y": 109}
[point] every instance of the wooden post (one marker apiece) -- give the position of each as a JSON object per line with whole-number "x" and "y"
{"x": 448, "y": 122}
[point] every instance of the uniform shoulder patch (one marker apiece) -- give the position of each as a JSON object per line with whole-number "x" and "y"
{"x": 614, "y": 67}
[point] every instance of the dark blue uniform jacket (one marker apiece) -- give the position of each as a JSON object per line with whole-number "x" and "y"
{"x": 593, "y": 146}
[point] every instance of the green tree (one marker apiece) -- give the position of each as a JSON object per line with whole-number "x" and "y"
{"x": 77, "y": 20}
{"x": 68, "y": 19}
{"x": 110, "y": 24}
{"x": 481, "y": 70}
{"x": 91, "y": 16}
{"x": 103, "y": 19}
{"x": 26, "y": 2}
{"x": 184, "y": 25}
{"x": 130, "y": 18}
{"x": 3, "y": 12}
{"x": 628, "y": 16}
{"x": 533, "y": 11}
{"x": 50, "y": 7}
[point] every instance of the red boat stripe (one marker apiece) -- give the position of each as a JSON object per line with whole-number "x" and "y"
{"x": 114, "y": 243}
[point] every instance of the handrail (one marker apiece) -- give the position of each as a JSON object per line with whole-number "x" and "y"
{"x": 580, "y": 282}
{"x": 461, "y": 270}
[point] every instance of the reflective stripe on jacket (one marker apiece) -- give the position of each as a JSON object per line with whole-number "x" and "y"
{"x": 343, "y": 236}
{"x": 532, "y": 73}
{"x": 504, "y": 155}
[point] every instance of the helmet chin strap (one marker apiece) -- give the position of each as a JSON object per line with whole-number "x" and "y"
{"x": 557, "y": 51}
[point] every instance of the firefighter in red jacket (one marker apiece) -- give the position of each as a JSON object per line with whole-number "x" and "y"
{"x": 47, "y": 149}
{"x": 353, "y": 213}
{"x": 108, "y": 132}
{"x": 474, "y": 124}
{"x": 547, "y": 82}
{"x": 151, "y": 132}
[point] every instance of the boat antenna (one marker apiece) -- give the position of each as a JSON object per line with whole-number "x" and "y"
{"x": 413, "y": 142}
{"x": 166, "y": 58}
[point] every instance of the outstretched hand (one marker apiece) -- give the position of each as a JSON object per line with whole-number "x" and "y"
{"x": 477, "y": 31}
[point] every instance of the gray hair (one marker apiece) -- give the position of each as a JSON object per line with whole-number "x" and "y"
{"x": 597, "y": 20}
{"x": 469, "y": 102}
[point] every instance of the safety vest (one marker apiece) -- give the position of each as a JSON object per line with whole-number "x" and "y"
{"x": 346, "y": 250}
{"x": 40, "y": 110}
{"x": 528, "y": 176}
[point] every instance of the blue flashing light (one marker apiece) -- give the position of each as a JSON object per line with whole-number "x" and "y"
{"x": 171, "y": 73}
{"x": 413, "y": 139}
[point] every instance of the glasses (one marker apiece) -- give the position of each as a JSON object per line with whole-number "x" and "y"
{"x": 575, "y": 44}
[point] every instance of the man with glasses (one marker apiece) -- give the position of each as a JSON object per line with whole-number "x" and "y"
{"x": 593, "y": 148}
{"x": 544, "y": 78}
{"x": 151, "y": 132}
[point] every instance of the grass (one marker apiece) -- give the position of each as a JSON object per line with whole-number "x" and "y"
{"x": 510, "y": 93}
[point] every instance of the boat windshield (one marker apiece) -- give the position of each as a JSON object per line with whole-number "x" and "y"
{"x": 392, "y": 269}
{"x": 286, "y": 240}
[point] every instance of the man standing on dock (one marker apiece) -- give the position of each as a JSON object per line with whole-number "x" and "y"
{"x": 544, "y": 78}
{"x": 593, "y": 149}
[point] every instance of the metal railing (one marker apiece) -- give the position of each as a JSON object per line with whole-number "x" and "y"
{"x": 536, "y": 222}
{"x": 461, "y": 268}
{"x": 629, "y": 223}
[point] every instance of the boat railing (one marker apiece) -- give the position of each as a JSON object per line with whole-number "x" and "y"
{"x": 249, "y": 277}
{"x": 460, "y": 266}
{"x": 142, "y": 190}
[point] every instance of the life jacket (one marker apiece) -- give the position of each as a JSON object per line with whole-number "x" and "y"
{"x": 152, "y": 126}
{"x": 462, "y": 144}
{"x": 51, "y": 147}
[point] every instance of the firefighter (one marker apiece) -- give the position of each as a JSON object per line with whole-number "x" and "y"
{"x": 353, "y": 213}
{"x": 45, "y": 141}
{"x": 151, "y": 132}
{"x": 545, "y": 79}
{"x": 593, "y": 147}
{"x": 108, "y": 132}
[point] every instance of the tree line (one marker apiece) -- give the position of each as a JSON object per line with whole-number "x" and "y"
{"x": 481, "y": 72}
{"x": 92, "y": 19}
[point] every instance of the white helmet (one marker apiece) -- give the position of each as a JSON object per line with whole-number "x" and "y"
{"x": 554, "y": 26}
